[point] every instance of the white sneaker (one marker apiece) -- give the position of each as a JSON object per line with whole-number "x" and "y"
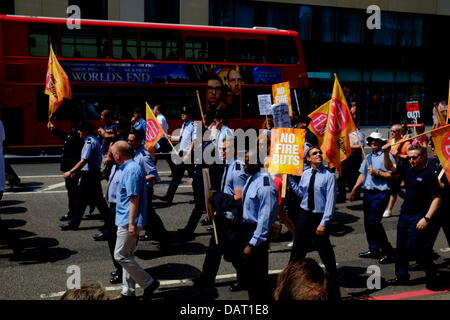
{"x": 290, "y": 244}
{"x": 387, "y": 214}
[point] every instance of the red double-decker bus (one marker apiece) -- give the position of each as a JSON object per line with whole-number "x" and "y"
{"x": 121, "y": 65}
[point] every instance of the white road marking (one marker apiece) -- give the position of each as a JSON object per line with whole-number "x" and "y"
{"x": 162, "y": 283}
{"x": 49, "y": 176}
{"x": 54, "y": 186}
{"x": 19, "y": 193}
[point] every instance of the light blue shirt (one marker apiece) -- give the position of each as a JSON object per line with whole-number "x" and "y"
{"x": 91, "y": 153}
{"x": 145, "y": 160}
{"x": 376, "y": 161}
{"x": 234, "y": 177}
{"x": 132, "y": 183}
{"x": 223, "y": 133}
{"x": 113, "y": 182}
{"x": 324, "y": 192}
{"x": 187, "y": 135}
{"x": 140, "y": 125}
{"x": 260, "y": 205}
{"x": 163, "y": 122}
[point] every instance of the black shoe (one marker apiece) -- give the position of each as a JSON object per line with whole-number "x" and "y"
{"x": 115, "y": 272}
{"x": 102, "y": 236}
{"x": 191, "y": 201}
{"x": 434, "y": 283}
{"x": 68, "y": 226}
{"x": 202, "y": 283}
{"x": 370, "y": 254}
{"x": 386, "y": 259}
{"x": 166, "y": 199}
{"x": 64, "y": 217}
{"x": 210, "y": 229}
{"x": 206, "y": 222}
{"x": 145, "y": 237}
{"x": 148, "y": 292}
{"x": 115, "y": 279}
{"x": 91, "y": 209}
{"x": 398, "y": 281}
{"x": 237, "y": 286}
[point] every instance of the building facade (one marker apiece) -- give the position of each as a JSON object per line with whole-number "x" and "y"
{"x": 379, "y": 69}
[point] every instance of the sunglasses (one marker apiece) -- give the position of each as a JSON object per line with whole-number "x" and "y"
{"x": 315, "y": 153}
{"x": 413, "y": 157}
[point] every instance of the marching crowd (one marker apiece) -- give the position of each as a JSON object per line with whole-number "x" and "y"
{"x": 245, "y": 202}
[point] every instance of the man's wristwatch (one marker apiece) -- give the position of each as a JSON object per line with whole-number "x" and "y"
{"x": 427, "y": 219}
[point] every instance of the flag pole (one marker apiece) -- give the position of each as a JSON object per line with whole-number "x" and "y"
{"x": 200, "y": 106}
{"x": 418, "y": 135}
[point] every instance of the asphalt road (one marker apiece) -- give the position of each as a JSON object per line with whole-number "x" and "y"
{"x": 33, "y": 208}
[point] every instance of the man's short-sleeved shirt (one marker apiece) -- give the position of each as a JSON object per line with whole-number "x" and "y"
{"x": 420, "y": 188}
{"x": 145, "y": 160}
{"x": 91, "y": 153}
{"x": 234, "y": 177}
{"x": 376, "y": 161}
{"x": 112, "y": 129}
{"x": 132, "y": 183}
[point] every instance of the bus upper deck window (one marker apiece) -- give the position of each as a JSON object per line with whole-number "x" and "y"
{"x": 87, "y": 42}
{"x": 282, "y": 50}
{"x": 204, "y": 49}
{"x": 40, "y": 37}
{"x": 160, "y": 45}
{"x": 124, "y": 43}
{"x": 247, "y": 50}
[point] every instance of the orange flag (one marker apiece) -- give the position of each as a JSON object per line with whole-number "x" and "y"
{"x": 336, "y": 143}
{"x": 153, "y": 130}
{"x": 57, "y": 84}
{"x": 319, "y": 121}
{"x": 441, "y": 140}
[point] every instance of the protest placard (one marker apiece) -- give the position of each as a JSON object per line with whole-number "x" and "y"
{"x": 412, "y": 113}
{"x": 282, "y": 94}
{"x": 265, "y": 102}
{"x": 280, "y": 113}
{"x": 286, "y": 151}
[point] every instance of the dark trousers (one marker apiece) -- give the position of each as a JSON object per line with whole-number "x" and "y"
{"x": 72, "y": 193}
{"x": 215, "y": 250}
{"x": 374, "y": 204}
{"x": 305, "y": 238}
{"x": 177, "y": 175}
{"x": 90, "y": 193}
{"x": 199, "y": 199}
{"x": 155, "y": 226}
{"x": 441, "y": 220}
{"x": 112, "y": 234}
{"x": 254, "y": 268}
{"x": 412, "y": 243}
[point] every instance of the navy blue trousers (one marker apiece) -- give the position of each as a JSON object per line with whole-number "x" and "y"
{"x": 374, "y": 204}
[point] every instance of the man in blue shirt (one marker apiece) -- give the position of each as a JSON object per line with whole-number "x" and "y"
{"x": 317, "y": 190}
{"x": 155, "y": 226}
{"x": 185, "y": 141}
{"x": 138, "y": 122}
{"x": 227, "y": 203}
{"x": 376, "y": 182}
{"x": 131, "y": 217}
{"x": 260, "y": 207}
{"x": 415, "y": 224}
{"x": 90, "y": 181}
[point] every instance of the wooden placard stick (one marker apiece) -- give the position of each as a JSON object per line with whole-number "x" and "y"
{"x": 208, "y": 196}
{"x": 200, "y": 106}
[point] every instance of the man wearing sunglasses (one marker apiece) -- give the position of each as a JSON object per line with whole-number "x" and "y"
{"x": 317, "y": 189}
{"x": 375, "y": 179}
{"x": 414, "y": 230}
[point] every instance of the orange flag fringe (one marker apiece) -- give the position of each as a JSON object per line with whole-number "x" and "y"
{"x": 153, "y": 130}
{"x": 57, "y": 84}
{"x": 441, "y": 140}
{"x": 336, "y": 142}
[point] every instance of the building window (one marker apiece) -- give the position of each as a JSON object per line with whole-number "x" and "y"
{"x": 92, "y": 9}
{"x": 231, "y": 13}
{"x": 167, "y": 11}
{"x": 304, "y": 22}
{"x": 7, "y": 7}
{"x": 386, "y": 36}
{"x": 328, "y": 19}
{"x": 350, "y": 26}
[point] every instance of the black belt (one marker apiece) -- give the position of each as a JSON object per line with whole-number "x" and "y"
{"x": 374, "y": 191}
{"x": 306, "y": 212}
